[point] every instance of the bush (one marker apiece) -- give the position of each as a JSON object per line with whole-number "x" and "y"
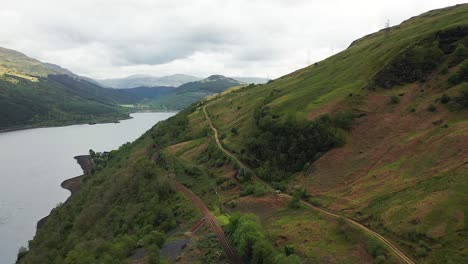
{"x": 289, "y": 250}
{"x": 234, "y": 131}
{"x": 232, "y": 204}
{"x": 295, "y": 203}
{"x": 459, "y": 54}
{"x": 21, "y": 253}
{"x": 380, "y": 259}
{"x": 256, "y": 189}
{"x": 394, "y": 99}
{"x": 247, "y": 235}
{"x": 374, "y": 247}
{"x": 343, "y": 119}
{"x": 461, "y": 75}
{"x": 445, "y": 99}
{"x": 421, "y": 252}
{"x": 431, "y": 108}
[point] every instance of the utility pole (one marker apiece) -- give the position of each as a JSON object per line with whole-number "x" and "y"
{"x": 387, "y": 28}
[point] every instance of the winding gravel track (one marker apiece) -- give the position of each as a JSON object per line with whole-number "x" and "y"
{"x": 394, "y": 249}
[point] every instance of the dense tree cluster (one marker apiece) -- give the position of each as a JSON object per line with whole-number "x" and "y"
{"x": 248, "y": 237}
{"x": 281, "y": 147}
{"x": 126, "y": 205}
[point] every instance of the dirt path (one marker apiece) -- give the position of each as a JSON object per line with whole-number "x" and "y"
{"x": 394, "y": 249}
{"x": 229, "y": 251}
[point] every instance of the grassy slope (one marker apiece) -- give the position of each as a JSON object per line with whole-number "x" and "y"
{"x": 32, "y": 94}
{"x": 397, "y": 172}
{"x": 47, "y": 102}
{"x": 191, "y": 92}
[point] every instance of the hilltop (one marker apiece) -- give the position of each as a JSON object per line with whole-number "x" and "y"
{"x": 39, "y": 94}
{"x": 322, "y": 165}
{"x": 191, "y": 92}
{"x": 134, "y": 81}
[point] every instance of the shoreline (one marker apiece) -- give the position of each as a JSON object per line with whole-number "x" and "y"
{"x": 73, "y": 184}
{"x": 65, "y": 124}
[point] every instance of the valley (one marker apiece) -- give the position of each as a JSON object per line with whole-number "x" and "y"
{"x": 361, "y": 157}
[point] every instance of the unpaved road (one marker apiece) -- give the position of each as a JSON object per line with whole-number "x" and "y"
{"x": 394, "y": 249}
{"x": 210, "y": 219}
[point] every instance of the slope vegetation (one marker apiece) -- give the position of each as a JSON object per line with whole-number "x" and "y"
{"x": 36, "y": 94}
{"x": 377, "y": 134}
{"x": 191, "y": 92}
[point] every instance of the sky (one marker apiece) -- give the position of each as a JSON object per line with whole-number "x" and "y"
{"x": 261, "y": 38}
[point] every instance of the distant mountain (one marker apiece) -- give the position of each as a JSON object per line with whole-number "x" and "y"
{"x": 149, "y": 93}
{"x": 191, "y": 92}
{"x": 33, "y": 93}
{"x": 212, "y": 84}
{"x": 249, "y": 80}
{"x": 61, "y": 70}
{"x": 147, "y": 81}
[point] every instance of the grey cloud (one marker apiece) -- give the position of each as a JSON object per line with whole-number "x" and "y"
{"x": 114, "y": 38}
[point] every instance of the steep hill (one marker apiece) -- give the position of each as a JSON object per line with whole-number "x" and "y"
{"x": 36, "y": 94}
{"x": 191, "y": 92}
{"x": 371, "y": 143}
{"x": 150, "y": 93}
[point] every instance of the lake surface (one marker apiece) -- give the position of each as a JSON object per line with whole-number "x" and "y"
{"x": 34, "y": 162}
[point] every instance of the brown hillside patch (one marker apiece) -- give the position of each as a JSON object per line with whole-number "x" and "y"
{"x": 192, "y": 153}
{"x": 424, "y": 206}
{"x": 175, "y": 148}
{"x": 322, "y": 110}
{"x": 263, "y": 207}
{"x": 381, "y": 138}
{"x": 226, "y": 171}
{"x": 438, "y": 231}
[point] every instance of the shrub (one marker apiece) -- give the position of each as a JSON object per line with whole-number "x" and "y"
{"x": 248, "y": 236}
{"x": 445, "y": 99}
{"x": 374, "y": 247}
{"x": 21, "y": 253}
{"x": 234, "y": 131}
{"x": 289, "y": 250}
{"x": 459, "y": 54}
{"x": 461, "y": 75}
{"x": 431, "y": 108}
{"x": 343, "y": 119}
{"x": 295, "y": 203}
{"x": 394, "y": 99}
{"x": 421, "y": 252}
{"x": 380, "y": 259}
{"x": 232, "y": 204}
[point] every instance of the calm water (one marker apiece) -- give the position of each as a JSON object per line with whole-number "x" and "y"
{"x": 34, "y": 162}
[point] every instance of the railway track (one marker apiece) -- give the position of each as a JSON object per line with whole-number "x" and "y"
{"x": 211, "y": 220}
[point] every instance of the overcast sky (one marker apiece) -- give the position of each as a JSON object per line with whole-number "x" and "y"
{"x": 263, "y": 38}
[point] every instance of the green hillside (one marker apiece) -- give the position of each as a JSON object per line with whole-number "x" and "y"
{"x": 360, "y": 158}
{"x": 191, "y": 92}
{"x": 35, "y": 94}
